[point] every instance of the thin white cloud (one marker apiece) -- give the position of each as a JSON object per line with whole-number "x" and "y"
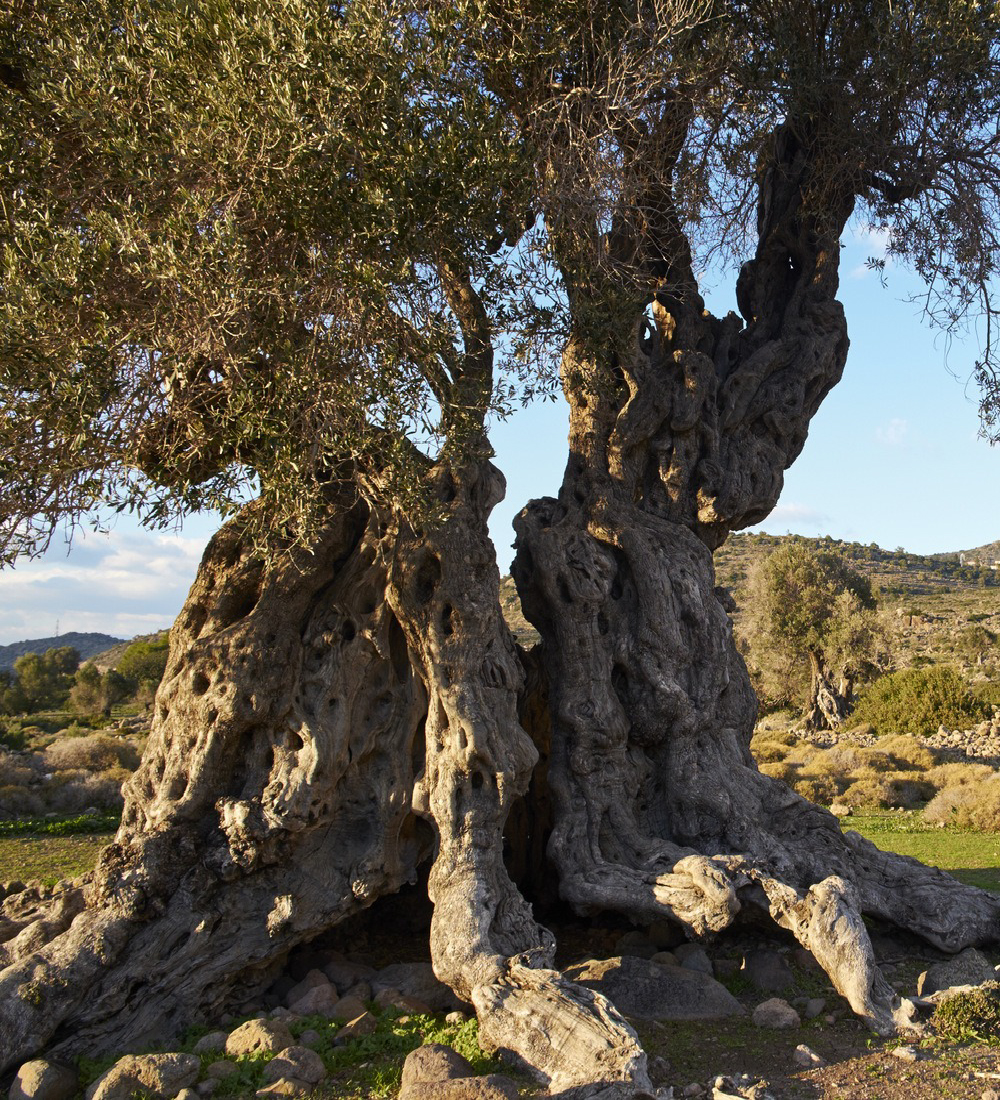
{"x": 893, "y": 434}
{"x": 797, "y": 514}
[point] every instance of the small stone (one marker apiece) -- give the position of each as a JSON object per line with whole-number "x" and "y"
{"x": 841, "y": 809}
{"x": 365, "y": 1024}
{"x": 990, "y": 1094}
{"x": 285, "y": 1086}
{"x": 212, "y": 1043}
{"x": 806, "y": 1056}
{"x": 776, "y": 1014}
{"x": 206, "y": 1088}
{"x": 43, "y": 1080}
{"x": 814, "y": 1007}
{"x": 259, "y": 1037}
{"x": 310, "y": 1038}
{"x": 219, "y": 1071}
{"x": 692, "y": 956}
{"x": 694, "y": 1089}
{"x": 418, "y": 980}
{"x": 456, "y": 1017}
{"x": 350, "y": 1008}
{"x": 665, "y": 958}
{"x": 187, "y": 1094}
{"x": 906, "y": 1054}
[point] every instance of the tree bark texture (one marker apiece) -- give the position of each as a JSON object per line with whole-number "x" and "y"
{"x": 273, "y": 801}
{"x": 828, "y": 704}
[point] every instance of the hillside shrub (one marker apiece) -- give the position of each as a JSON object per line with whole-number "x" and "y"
{"x": 918, "y": 701}
{"x": 968, "y": 806}
{"x": 786, "y": 773}
{"x": 823, "y": 790}
{"x": 766, "y": 751}
{"x": 906, "y": 753}
{"x": 95, "y": 753}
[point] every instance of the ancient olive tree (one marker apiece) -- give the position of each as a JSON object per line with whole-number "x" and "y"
{"x": 810, "y": 625}
{"x": 300, "y": 251}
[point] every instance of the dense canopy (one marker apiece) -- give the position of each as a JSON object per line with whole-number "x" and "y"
{"x": 246, "y": 242}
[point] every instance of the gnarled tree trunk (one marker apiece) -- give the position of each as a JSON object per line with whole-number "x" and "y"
{"x": 659, "y": 808}
{"x": 828, "y": 703}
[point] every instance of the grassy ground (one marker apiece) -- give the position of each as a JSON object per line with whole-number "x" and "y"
{"x": 973, "y": 858}
{"x": 49, "y": 858}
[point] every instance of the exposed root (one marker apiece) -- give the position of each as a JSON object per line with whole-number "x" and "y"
{"x": 567, "y": 1035}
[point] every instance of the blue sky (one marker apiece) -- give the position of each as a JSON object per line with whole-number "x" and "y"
{"x": 893, "y": 457}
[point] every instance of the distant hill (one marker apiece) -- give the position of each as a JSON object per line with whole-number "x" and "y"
{"x": 87, "y": 645}
{"x": 981, "y": 555}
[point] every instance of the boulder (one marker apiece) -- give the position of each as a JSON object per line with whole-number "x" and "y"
{"x": 807, "y": 1057}
{"x": 642, "y": 988}
{"x": 159, "y": 1075}
{"x": 344, "y": 974}
{"x": 417, "y": 980}
{"x": 312, "y": 979}
{"x": 968, "y": 967}
{"x": 436, "y": 1072}
{"x": 636, "y": 943}
{"x": 767, "y": 971}
{"x": 350, "y": 1008}
{"x": 493, "y": 1087}
{"x": 776, "y": 1014}
{"x": 259, "y": 1037}
{"x": 297, "y": 1062}
{"x": 434, "y": 1062}
{"x": 42, "y": 1080}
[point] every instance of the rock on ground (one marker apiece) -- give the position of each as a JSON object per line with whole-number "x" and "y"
{"x": 640, "y": 987}
{"x": 297, "y": 1062}
{"x": 776, "y": 1014}
{"x": 42, "y": 1080}
{"x": 161, "y": 1075}
{"x": 259, "y": 1037}
{"x": 968, "y": 967}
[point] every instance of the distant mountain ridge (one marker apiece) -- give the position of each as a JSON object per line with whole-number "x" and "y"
{"x": 87, "y": 645}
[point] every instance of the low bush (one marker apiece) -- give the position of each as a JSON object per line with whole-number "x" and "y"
{"x": 907, "y": 753}
{"x": 98, "y": 752}
{"x": 766, "y": 751}
{"x": 974, "y": 805}
{"x": 974, "y": 1015}
{"x": 780, "y": 770}
{"x": 918, "y": 701}
{"x": 819, "y": 789}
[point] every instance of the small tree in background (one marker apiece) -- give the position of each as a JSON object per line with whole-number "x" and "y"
{"x": 811, "y": 631}
{"x": 45, "y": 679}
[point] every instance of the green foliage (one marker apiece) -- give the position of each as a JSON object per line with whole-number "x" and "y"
{"x": 973, "y": 1016}
{"x": 918, "y": 701}
{"x": 809, "y": 613}
{"x": 145, "y": 662}
{"x": 43, "y": 680}
{"x": 78, "y": 825}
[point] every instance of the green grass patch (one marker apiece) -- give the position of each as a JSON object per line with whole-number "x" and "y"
{"x": 80, "y": 825}
{"x": 48, "y": 858}
{"x": 973, "y": 858}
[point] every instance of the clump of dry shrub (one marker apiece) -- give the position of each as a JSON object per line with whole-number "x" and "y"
{"x": 95, "y": 753}
{"x": 969, "y": 805}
